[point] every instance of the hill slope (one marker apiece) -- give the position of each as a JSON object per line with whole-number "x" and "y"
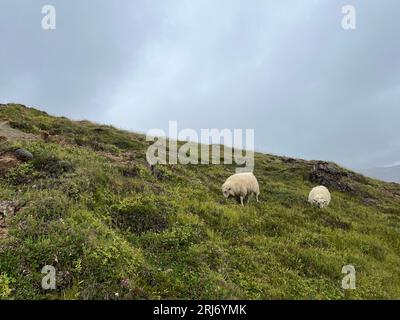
{"x": 88, "y": 205}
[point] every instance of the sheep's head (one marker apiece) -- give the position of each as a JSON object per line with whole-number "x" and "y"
{"x": 227, "y": 191}
{"x": 321, "y": 202}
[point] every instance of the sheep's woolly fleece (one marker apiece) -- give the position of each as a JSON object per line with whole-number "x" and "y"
{"x": 241, "y": 186}
{"x": 320, "y": 196}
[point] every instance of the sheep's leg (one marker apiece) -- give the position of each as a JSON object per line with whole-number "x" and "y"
{"x": 257, "y": 197}
{"x": 241, "y": 200}
{"x": 237, "y": 198}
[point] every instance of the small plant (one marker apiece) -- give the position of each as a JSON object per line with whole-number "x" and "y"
{"x": 51, "y": 166}
{"x": 23, "y": 126}
{"x": 139, "y": 216}
{"x": 22, "y": 174}
{"x": 5, "y": 282}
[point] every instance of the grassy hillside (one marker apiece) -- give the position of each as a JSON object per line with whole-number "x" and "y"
{"x": 88, "y": 205}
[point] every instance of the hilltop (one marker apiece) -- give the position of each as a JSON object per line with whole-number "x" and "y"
{"x": 89, "y": 205}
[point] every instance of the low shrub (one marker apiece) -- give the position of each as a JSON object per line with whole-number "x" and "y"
{"x": 140, "y": 215}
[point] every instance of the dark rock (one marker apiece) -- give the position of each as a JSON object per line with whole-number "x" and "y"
{"x": 334, "y": 177}
{"x": 23, "y": 155}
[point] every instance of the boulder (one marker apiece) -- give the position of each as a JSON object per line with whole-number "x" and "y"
{"x": 23, "y": 155}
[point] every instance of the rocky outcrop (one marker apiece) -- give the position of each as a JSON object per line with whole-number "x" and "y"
{"x": 337, "y": 178}
{"x": 333, "y": 177}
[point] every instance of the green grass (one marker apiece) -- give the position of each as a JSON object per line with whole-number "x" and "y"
{"x": 95, "y": 212}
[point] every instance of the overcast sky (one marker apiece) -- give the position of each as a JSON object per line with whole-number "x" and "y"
{"x": 288, "y": 69}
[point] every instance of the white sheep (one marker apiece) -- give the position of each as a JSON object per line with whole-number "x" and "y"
{"x": 241, "y": 186}
{"x": 320, "y": 196}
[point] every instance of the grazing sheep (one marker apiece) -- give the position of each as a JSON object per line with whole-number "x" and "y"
{"x": 241, "y": 186}
{"x": 320, "y": 196}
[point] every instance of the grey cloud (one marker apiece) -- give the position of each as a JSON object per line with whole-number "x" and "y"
{"x": 285, "y": 68}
